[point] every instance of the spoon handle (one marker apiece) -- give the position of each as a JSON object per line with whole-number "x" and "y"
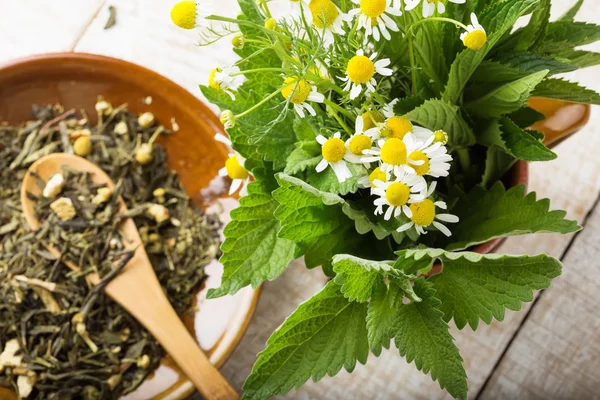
{"x": 150, "y": 306}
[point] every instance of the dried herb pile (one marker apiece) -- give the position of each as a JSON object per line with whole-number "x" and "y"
{"x": 61, "y": 338}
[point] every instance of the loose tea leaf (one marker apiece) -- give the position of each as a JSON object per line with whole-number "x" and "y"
{"x": 112, "y": 17}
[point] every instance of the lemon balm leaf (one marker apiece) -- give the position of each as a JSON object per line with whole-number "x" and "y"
{"x": 325, "y": 333}
{"x": 252, "y": 251}
{"x": 381, "y": 315}
{"x": 306, "y": 155}
{"x": 438, "y": 114}
{"x": 564, "y": 35}
{"x": 561, "y": 89}
{"x": 475, "y": 286}
{"x": 421, "y": 335}
{"x": 327, "y": 181}
{"x": 500, "y": 212}
{"x": 314, "y": 220}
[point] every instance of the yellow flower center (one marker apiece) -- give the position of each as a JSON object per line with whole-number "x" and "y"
{"x": 296, "y": 90}
{"x": 324, "y": 13}
{"x": 418, "y": 155}
{"x": 183, "y": 14}
{"x": 440, "y": 136}
{"x": 370, "y": 118}
{"x": 270, "y": 24}
{"x": 377, "y": 174}
{"x": 333, "y": 150}
{"x": 235, "y": 169}
{"x": 423, "y": 213}
{"x": 393, "y": 152}
{"x": 360, "y": 69}
{"x": 398, "y": 127}
{"x": 373, "y": 8}
{"x": 397, "y": 194}
{"x": 358, "y": 143}
{"x": 475, "y": 39}
{"x": 211, "y": 78}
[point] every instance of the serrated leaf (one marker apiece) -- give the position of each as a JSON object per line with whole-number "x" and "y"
{"x": 422, "y": 336}
{"x": 580, "y": 58}
{"x": 530, "y": 62}
{"x": 327, "y": 181}
{"x": 412, "y": 265}
{"x": 358, "y": 277}
{"x": 306, "y": 156}
{"x": 474, "y": 286}
{"x": 314, "y": 220}
{"x": 564, "y": 90}
{"x": 252, "y": 252}
{"x": 430, "y": 59}
{"x": 437, "y": 114}
{"x": 381, "y": 315}
{"x": 564, "y": 35}
{"x": 536, "y": 28}
{"x": 572, "y": 12}
{"x": 497, "y": 163}
{"x": 407, "y": 104}
{"x": 325, "y": 333}
{"x": 522, "y": 144}
{"x": 500, "y": 212}
{"x": 361, "y": 211}
{"x": 506, "y": 98}
{"x": 304, "y": 130}
{"x": 497, "y": 20}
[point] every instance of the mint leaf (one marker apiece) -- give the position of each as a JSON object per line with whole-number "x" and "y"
{"x": 327, "y": 181}
{"x": 306, "y": 156}
{"x": 422, "y": 336}
{"x": 497, "y": 19}
{"x": 515, "y": 141}
{"x": 536, "y": 28}
{"x": 526, "y": 117}
{"x": 314, "y": 220}
{"x": 381, "y": 315}
{"x": 563, "y": 35}
{"x": 474, "y": 286}
{"x": 325, "y": 333}
{"x": 412, "y": 265}
{"x": 429, "y": 57}
{"x": 506, "y": 98}
{"x": 500, "y": 212}
{"x": 572, "y": 12}
{"x": 438, "y": 114}
{"x": 252, "y": 252}
{"x": 497, "y": 163}
{"x": 567, "y": 91}
{"x": 580, "y": 58}
{"x": 530, "y": 62}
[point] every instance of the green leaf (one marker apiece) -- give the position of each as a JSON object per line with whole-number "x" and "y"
{"x": 250, "y": 11}
{"x": 306, "y": 155}
{"x": 412, "y": 265}
{"x": 474, "y": 286}
{"x": 362, "y": 211}
{"x": 314, "y": 220}
{"x": 422, "y": 336}
{"x": 429, "y": 57}
{"x": 252, "y": 252}
{"x": 327, "y": 181}
{"x": 304, "y": 130}
{"x": 526, "y": 117}
{"x": 564, "y": 35}
{"x": 358, "y": 277}
{"x": 437, "y": 114}
{"x": 381, "y": 315}
{"x": 580, "y": 58}
{"x": 572, "y": 12}
{"x": 497, "y": 20}
{"x": 500, "y": 212}
{"x": 530, "y": 62}
{"x": 536, "y": 28}
{"x": 324, "y": 334}
{"x": 407, "y": 104}
{"x": 497, "y": 163}
{"x": 567, "y": 91}
{"x": 506, "y": 98}
{"x": 515, "y": 141}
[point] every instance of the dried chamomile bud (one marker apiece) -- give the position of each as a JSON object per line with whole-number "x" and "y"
{"x": 54, "y": 186}
{"x": 143, "y": 362}
{"x": 143, "y": 155}
{"x": 113, "y": 381}
{"x": 77, "y": 133}
{"x": 83, "y": 146}
{"x": 103, "y": 195}
{"x": 104, "y": 107}
{"x": 63, "y": 208}
{"x": 159, "y": 212}
{"x": 121, "y": 128}
{"x": 146, "y": 120}
{"x": 159, "y": 194}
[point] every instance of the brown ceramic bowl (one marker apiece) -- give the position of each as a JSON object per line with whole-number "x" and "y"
{"x": 75, "y": 80}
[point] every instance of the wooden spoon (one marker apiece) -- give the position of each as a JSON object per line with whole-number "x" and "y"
{"x": 136, "y": 288}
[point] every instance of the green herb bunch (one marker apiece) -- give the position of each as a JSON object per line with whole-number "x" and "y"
{"x": 371, "y": 137}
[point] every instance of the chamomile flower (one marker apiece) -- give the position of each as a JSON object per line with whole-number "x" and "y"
{"x": 297, "y": 6}
{"x": 398, "y": 194}
{"x": 374, "y": 17}
{"x": 396, "y": 127}
{"x": 367, "y": 122}
{"x": 234, "y": 169}
{"x": 392, "y": 156}
{"x": 423, "y": 214}
{"x": 377, "y": 175}
{"x": 190, "y": 14}
{"x": 429, "y": 6}
{"x": 427, "y": 158}
{"x": 298, "y": 92}
{"x": 326, "y": 17}
{"x": 388, "y": 109}
{"x": 361, "y": 70}
{"x": 228, "y": 119}
{"x": 226, "y": 80}
{"x": 334, "y": 151}
{"x": 356, "y": 144}
{"x": 475, "y": 37}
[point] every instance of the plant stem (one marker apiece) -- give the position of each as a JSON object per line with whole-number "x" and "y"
{"x": 464, "y": 159}
{"x": 249, "y": 71}
{"x": 431, "y": 19}
{"x": 338, "y": 108}
{"x": 257, "y": 105}
{"x": 411, "y": 53}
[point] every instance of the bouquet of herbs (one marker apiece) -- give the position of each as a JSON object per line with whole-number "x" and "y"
{"x": 371, "y": 137}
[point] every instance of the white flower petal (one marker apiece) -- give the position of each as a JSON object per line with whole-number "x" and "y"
{"x": 321, "y": 139}
{"x": 321, "y": 165}
{"x": 405, "y": 227}
{"x": 442, "y": 228}
{"x": 447, "y": 218}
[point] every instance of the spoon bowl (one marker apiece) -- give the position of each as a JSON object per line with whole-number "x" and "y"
{"x": 136, "y": 287}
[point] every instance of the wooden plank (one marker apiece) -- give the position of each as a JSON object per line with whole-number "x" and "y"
{"x": 31, "y": 26}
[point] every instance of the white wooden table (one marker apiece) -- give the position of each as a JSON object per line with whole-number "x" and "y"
{"x": 548, "y": 350}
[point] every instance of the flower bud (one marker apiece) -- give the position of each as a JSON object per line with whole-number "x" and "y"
{"x": 238, "y": 41}
{"x": 228, "y": 119}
